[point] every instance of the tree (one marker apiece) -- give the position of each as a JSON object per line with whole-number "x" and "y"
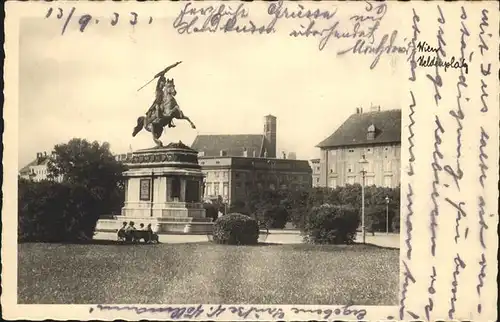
{"x": 91, "y": 165}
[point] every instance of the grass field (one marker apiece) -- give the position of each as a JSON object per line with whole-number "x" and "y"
{"x": 207, "y": 273}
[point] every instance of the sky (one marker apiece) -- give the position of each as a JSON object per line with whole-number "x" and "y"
{"x": 85, "y": 84}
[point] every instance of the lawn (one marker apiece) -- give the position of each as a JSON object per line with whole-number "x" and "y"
{"x": 207, "y": 273}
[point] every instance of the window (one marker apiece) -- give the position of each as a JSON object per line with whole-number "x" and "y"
{"x": 350, "y": 168}
{"x": 225, "y": 190}
{"x": 351, "y": 150}
{"x": 216, "y": 174}
{"x": 388, "y": 165}
{"x": 145, "y": 190}
{"x": 216, "y": 189}
{"x": 209, "y": 189}
{"x": 369, "y": 181}
{"x": 333, "y": 152}
{"x": 333, "y": 183}
{"x": 387, "y": 181}
{"x": 351, "y": 180}
{"x": 369, "y": 166}
{"x": 369, "y": 151}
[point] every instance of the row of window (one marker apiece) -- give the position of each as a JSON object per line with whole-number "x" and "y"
{"x": 369, "y": 181}
{"x": 213, "y": 189}
{"x": 260, "y": 176}
{"x": 369, "y": 167}
{"x": 365, "y": 150}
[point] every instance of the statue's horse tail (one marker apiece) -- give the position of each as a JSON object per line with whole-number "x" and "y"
{"x": 139, "y": 127}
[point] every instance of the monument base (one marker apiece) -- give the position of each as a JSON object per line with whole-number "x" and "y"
{"x": 168, "y": 225}
{"x": 164, "y": 188}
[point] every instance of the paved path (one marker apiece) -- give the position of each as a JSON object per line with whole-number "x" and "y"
{"x": 275, "y": 237}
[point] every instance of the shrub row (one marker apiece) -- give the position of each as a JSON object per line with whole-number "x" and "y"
{"x": 55, "y": 212}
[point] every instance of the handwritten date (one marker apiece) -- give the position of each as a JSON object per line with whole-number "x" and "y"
{"x": 85, "y": 19}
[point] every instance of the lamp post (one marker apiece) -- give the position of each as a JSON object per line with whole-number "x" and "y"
{"x": 362, "y": 163}
{"x": 386, "y": 215}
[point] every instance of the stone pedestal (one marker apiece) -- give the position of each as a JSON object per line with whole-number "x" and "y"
{"x": 164, "y": 188}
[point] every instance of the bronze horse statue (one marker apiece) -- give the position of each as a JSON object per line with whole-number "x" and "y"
{"x": 162, "y": 112}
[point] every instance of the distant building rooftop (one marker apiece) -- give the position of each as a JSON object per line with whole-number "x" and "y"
{"x": 232, "y": 144}
{"x": 354, "y": 130}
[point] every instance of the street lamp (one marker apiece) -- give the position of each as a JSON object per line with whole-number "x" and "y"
{"x": 386, "y": 215}
{"x": 362, "y": 163}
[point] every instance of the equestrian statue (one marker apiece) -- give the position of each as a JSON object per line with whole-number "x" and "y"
{"x": 163, "y": 110}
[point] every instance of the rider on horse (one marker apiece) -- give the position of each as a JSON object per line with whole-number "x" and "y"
{"x": 155, "y": 112}
{"x": 163, "y": 110}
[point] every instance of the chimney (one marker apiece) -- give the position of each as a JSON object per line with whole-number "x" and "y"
{"x": 283, "y": 153}
{"x": 245, "y": 152}
{"x": 378, "y": 108}
{"x": 223, "y": 153}
{"x": 357, "y": 110}
{"x": 265, "y": 153}
{"x": 270, "y": 134}
{"x": 360, "y": 110}
{"x": 45, "y": 153}
{"x": 254, "y": 153}
{"x": 292, "y": 156}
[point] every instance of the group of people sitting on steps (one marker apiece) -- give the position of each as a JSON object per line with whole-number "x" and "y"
{"x": 129, "y": 233}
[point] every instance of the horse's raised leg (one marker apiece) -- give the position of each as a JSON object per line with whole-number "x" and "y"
{"x": 184, "y": 117}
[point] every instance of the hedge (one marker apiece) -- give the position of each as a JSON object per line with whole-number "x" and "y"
{"x": 236, "y": 229}
{"x": 331, "y": 224}
{"x": 55, "y": 212}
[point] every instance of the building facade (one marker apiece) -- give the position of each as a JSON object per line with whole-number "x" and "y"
{"x": 233, "y": 178}
{"x": 316, "y": 170}
{"x": 37, "y": 169}
{"x": 374, "y": 136}
{"x": 235, "y": 164}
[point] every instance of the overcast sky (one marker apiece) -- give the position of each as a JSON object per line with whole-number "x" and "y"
{"x": 85, "y": 84}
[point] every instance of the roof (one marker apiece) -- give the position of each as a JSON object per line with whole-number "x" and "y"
{"x": 233, "y": 144}
{"x": 38, "y": 161}
{"x": 354, "y": 130}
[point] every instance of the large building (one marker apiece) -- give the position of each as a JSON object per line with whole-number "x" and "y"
{"x": 235, "y": 164}
{"x": 37, "y": 169}
{"x": 374, "y": 135}
{"x": 233, "y": 178}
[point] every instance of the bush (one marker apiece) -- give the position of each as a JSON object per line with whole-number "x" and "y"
{"x": 55, "y": 212}
{"x": 236, "y": 229}
{"x": 328, "y": 224}
{"x": 276, "y": 217}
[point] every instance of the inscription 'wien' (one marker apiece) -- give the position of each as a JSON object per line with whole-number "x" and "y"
{"x": 424, "y": 47}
